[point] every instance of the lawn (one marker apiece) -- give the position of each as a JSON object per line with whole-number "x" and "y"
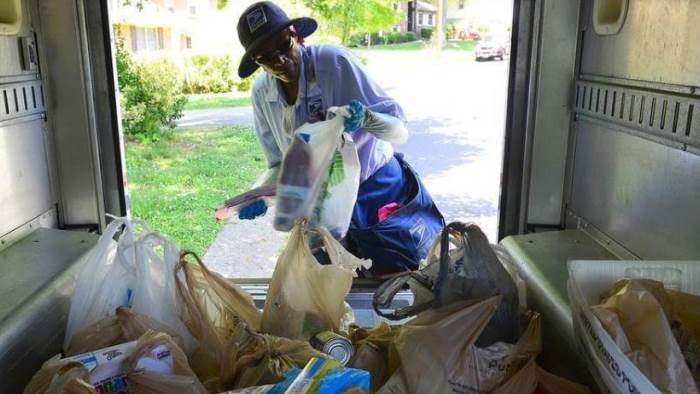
{"x": 459, "y": 45}
{"x": 176, "y": 184}
{"x": 453, "y": 45}
{"x": 405, "y": 46}
{"x": 199, "y": 101}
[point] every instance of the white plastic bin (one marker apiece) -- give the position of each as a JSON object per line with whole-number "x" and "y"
{"x": 588, "y": 280}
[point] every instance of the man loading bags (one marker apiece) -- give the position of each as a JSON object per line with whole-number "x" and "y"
{"x": 394, "y": 219}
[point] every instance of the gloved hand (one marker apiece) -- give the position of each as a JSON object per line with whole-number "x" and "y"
{"x": 354, "y": 116}
{"x": 253, "y": 210}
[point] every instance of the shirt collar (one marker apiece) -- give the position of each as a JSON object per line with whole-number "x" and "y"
{"x": 273, "y": 87}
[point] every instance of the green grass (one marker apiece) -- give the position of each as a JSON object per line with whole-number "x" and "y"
{"x": 458, "y": 45}
{"x": 405, "y": 46}
{"x": 453, "y": 45}
{"x": 196, "y": 101}
{"x": 176, "y": 184}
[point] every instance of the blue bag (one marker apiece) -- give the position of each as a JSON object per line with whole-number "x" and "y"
{"x": 398, "y": 243}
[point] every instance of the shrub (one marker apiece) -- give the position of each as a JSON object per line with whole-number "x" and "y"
{"x": 393, "y": 38}
{"x": 151, "y": 96}
{"x": 357, "y": 40}
{"x": 426, "y": 33}
{"x": 409, "y": 37}
{"x": 208, "y": 74}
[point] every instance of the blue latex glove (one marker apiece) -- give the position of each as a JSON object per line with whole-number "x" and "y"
{"x": 253, "y": 210}
{"x": 356, "y": 118}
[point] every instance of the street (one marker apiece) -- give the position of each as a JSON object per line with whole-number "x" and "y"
{"x": 455, "y": 109}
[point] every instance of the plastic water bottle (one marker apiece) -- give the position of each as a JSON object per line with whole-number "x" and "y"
{"x": 294, "y": 187}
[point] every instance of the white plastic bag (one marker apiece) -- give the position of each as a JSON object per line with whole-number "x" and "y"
{"x": 306, "y": 297}
{"x": 136, "y": 271}
{"x": 327, "y": 190}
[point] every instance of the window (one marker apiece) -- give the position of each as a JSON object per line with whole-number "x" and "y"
{"x": 430, "y": 19}
{"x": 461, "y": 4}
{"x": 193, "y": 9}
{"x": 145, "y": 39}
{"x": 421, "y": 18}
{"x": 188, "y": 42}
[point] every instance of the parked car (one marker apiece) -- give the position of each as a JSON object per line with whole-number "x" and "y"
{"x": 490, "y": 49}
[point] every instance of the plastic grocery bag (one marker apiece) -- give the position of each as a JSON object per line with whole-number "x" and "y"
{"x": 147, "y": 374}
{"x": 125, "y": 326}
{"x": 152, "y": 364}
{"x": 319, "y": 177}
{"x": 438, "y": 354}
{"x": 461, "y": 266}
{"x": 375, "y": 352}
{"x": 305, "y": 297}
{"x": 216, "y": 311}
{"x": 260, "y": 359}
{"x": 635, "y": 317}
{"x": 135, "y": 271}
{"x": 60, "y": 377}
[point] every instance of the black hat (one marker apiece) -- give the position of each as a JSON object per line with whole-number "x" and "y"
{"x": 260, "y": 22}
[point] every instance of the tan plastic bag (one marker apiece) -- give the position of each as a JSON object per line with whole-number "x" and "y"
{"x": 60, "y": 377}
{"x": 437, "y": 352}
{"x": 216, "y": 311}
{"x": 637, "y": 317}
{"x": 182, "y": 380}
{"x": 260, "y": 359}
{"x": 124, "y": 326}
{"x": 375, "y": 352}
{"x": 306, "y": 297}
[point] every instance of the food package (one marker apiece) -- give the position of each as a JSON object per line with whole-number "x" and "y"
{"x": 438, "y": 354}
{"x": 152, "y": 364}
{"x": 645, "y": 320}
{"x": 216, "y": 311}
{"x": 259, "y": 359}
{"x": 305, "y": 297}
{"x": 124, "y": 326}
{"x": 328, "y": 376}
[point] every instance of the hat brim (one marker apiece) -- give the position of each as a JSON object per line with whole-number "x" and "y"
{"x": 303, "y": 26}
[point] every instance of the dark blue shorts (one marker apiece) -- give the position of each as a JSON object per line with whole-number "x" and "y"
{"x": 398, "y": 243}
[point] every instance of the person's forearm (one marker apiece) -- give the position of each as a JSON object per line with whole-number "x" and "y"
{"x": 386, "y": 127}
{"x": 269, "y": 177}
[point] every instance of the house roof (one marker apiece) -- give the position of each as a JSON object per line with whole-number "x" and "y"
{"x": 423, "y": 6}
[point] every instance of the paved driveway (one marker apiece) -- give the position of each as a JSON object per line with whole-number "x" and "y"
{"x": 456, "y": 114}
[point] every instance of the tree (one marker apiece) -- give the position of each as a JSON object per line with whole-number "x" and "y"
{"x": 345, "y": 17}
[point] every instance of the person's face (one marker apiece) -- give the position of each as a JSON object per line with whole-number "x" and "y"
{"x": 278, "y": 56}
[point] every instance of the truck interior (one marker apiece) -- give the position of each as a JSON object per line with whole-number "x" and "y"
{"x": 601, "y": 157}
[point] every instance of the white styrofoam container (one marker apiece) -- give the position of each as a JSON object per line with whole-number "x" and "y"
{"x": 588, "y": 280}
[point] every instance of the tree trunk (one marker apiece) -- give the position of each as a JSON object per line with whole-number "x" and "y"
{"x": 439, "y": 39}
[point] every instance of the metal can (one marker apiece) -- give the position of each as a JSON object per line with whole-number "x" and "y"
{"x": 335, "y": 345}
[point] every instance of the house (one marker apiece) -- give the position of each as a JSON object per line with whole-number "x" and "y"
{"x": 471, "y": 15}
{"x": 418, "y": 15}
{"x": 173, "y": 28}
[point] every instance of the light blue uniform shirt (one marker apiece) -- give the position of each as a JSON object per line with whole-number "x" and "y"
{"x": 339, "y": 78}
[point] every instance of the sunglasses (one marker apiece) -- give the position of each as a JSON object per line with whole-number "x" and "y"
{"x": 282, "y": 49}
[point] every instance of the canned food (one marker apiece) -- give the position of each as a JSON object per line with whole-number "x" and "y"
{"x": 336, "y": 346}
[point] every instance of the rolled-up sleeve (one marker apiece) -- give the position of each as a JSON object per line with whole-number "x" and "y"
{"x": 341, "y": 67}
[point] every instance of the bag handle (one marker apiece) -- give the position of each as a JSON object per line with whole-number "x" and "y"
{"x": 387, "y": 291}
{"x": 457, "y": 228}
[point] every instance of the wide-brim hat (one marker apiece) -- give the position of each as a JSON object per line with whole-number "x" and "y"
{"x": 262, "y": 21}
